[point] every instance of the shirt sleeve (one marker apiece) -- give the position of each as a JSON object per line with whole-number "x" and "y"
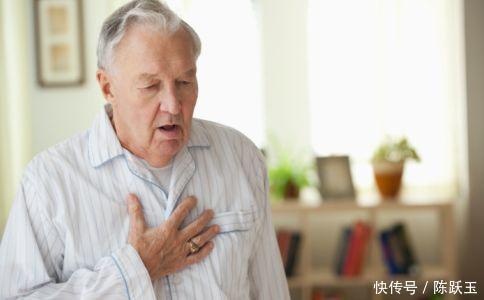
{"x": 266, "y": 272}
{"x": 31, "y": 254}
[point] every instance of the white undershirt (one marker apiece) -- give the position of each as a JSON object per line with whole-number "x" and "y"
{"x": 162, "y": 175}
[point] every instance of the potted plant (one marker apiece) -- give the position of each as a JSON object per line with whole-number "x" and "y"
{"x": 388, "y": 164}
{"x": 287, "y": 177}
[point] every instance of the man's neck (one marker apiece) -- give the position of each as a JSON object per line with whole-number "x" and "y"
{"x": 155, "y": 160}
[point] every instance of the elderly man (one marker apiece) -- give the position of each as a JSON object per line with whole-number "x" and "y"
{"x": 149, "y": 203}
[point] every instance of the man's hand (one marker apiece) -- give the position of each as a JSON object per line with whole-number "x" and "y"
{"x": 165, "y": 249}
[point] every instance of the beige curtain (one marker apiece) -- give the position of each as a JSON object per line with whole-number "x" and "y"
{"x": 15, "y": 149}
{"x": 3, "y": 124}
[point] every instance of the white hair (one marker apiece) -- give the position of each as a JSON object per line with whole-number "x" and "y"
{"x": 151, "y": 12}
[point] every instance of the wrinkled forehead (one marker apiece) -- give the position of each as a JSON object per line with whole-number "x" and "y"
{"x": 148, "y": 46}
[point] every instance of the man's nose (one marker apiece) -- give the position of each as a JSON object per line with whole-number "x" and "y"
{"x": 170, "y": 102}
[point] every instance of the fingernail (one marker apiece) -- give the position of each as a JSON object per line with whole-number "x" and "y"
{"x": 217, "y": 228}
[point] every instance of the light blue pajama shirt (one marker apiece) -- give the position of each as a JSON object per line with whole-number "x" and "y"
{"x": 66, "y": 237}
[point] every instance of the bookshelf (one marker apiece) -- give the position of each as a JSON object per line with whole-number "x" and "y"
{"x": 309, "y": 277}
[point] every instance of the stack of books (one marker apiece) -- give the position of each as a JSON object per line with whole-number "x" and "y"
{"x": 352, "y": 249}
{"x": 397, "y": 252}
{"x": 289, "y": 243}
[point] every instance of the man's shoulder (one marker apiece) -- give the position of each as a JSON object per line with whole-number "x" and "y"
{"x": 71, "y": 151}
{"x": 228, "y": 140}
{"x": 217, "y": 133}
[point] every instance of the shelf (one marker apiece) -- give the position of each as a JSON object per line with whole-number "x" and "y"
{"x": 327, "y": 278}
{"x": 294, "y": 206}
{"x": 375, "y": 270}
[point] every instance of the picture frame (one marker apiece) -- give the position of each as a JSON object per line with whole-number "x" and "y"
{"x": 59, "y": 42}
{"x": 336, "y": 182}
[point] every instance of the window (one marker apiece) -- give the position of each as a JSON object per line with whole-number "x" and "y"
{"x": 388, "y": 67}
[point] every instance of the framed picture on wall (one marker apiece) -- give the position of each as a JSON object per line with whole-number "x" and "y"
{"x": 335, "y": 181}
{"x": 59, "y": 42}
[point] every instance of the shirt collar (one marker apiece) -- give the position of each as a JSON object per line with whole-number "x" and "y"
{"x": 198, "y": 135}
{"x": 104, "y": 145}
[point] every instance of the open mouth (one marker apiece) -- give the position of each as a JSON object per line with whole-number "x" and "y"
{"x": 168, "y": 128}
{"x": 172, "y": 131}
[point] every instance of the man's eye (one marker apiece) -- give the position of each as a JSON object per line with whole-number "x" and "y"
{"x": 184, "y": 82}
{"x": 151, "y": 87}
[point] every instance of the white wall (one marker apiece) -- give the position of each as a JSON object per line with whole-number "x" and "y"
{"x": 60, "y": 112}
{"x": 57, "y": 113}
{"x": 285, "y": 75}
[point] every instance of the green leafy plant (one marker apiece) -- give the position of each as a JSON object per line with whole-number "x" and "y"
{"x": 395, "y": 150}
{"x": 287, "y": 172}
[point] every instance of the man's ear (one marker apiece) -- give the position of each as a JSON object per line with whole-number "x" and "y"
{"x": 104, "y": 81}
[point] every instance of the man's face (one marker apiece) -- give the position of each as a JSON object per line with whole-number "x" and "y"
{"x": 153, "y": 89}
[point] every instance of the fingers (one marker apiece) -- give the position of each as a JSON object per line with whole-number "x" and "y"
{"x": 198, "y": 225}
{"x": 206, "y": 236}
{"x": 136, "y": 218}
{"x": 182, "y": 211}
{"x": 201, "y": 254}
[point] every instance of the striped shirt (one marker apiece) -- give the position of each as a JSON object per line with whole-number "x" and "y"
{"x": 66, "y": 236}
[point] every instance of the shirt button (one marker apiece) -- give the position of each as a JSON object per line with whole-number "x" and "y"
{"x": 176, "y": 279}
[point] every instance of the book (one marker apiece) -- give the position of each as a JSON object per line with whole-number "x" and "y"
{"x": 356, "y": 249}
{"x": 293, "y": 253}
{"x": 351, "y": 250}
{"x": 289, "y": 244}
{"x": 284, "y": 240}
{"x": 342, "y": 250}
{"x": 397, "y": 251}
{"x": 388, "y": 256}
{"x": 361, "y": 249}
{"x": 320, "y": 295}
{"x": 409, "y": 263}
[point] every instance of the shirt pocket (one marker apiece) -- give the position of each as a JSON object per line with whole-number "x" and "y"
{"x": 229, "y": 260}
{"x": 231, "y": 221}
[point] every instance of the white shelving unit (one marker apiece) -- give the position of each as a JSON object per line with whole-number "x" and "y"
{"x": 308, "y": 277}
